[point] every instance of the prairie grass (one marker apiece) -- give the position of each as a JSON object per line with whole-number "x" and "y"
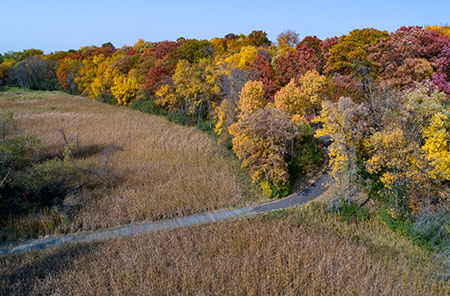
{"x": 163, "y": 169}
{"x": 302, "y": 251}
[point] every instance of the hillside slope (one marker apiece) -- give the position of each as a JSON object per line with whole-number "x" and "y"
{"x": 161, "y": 170}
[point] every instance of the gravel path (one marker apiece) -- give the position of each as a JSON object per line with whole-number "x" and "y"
{"x": 316, "y": 189}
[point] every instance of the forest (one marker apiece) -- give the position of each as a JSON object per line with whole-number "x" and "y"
{"x": 382, "y": 99}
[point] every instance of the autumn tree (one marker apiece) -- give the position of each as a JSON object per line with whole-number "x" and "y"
{"x": 165, "y": 96}
{"x": 407, "y": 143}
{"x": 144, "y": 65}
{"x": 196, "y": 84}
{"x": 261, "y": 140}
{"x": 445, "y": 29}
{"x": 142, "y": 45}
{"x": 230, "y": 81}
{"x": 340, "y": 85}
{"x": 194, "y": 50}
{"x": 409, "y": 55}
{"x": 291, "y": 100}
{"x": 287, "y": 41}
{"x": 157, "y": 76}
{"x": 294, "y": 64}
{"x": 314, "y": 43}
{"x": 350, "y": 55}
{"x": 243, "y": 58}
{"x": 252, "y": 97}
{"x": 346, "y": 123}
{"x": 258, "y": 38}
{"x": 437, "y": 145}
{"x": 124, "y": 89}
{"x": 68, "y": 70}
{"x": 96, "y": 75}
{"x": 36, "y": 73}
{"x": 301, "y": 95}
{"x": 261, "y": 70}
{"x": 162, "y": 49}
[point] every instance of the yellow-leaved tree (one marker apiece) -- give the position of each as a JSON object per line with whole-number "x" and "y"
{"x": 301, "y": 95}
{"x": 244, "y": 57}
{"x": 346, "y": 123}
{"x": 437, "y": 145}
{"x": 195, "y": 83}
{"x": 97, "y": 75}
{"x": 124, "y": 89}
{"x": 166, "y": 97}
{"x": 252, "y": 97}
{"x": 409, "y": 149}
{"x": 444, "y": 29}
{"x": 261, "y": 140}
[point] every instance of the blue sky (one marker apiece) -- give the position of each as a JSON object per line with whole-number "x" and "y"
{"x": 61, "y": 25}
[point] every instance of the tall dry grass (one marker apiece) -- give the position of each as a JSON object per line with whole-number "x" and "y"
{"x": 163, "y": 170}
{"x": 298, "y": 252}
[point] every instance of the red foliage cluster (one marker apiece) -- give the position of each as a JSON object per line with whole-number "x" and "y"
{"x": 164, "y": 48}
{"x": 262, "y": 71}
{"x": 295, "y": 63}
{"x": 157, "y": 76}
{"x": 400, "y": 58}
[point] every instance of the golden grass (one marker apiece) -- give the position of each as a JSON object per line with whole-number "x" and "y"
{"x": 298, "y": 252}
{"x": 165, "y": 170}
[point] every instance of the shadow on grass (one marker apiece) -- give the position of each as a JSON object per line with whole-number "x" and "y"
{"x": 21, "y": 280}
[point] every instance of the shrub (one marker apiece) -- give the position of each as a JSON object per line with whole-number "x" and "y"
{"x": 107, "y": 98}
{"x": 33, "y": 186}
{"x": 433, "y": 229}
{"x": 147, "y": 105}
{"x": 348, "y": 211}
{"x": 47, "y": 183}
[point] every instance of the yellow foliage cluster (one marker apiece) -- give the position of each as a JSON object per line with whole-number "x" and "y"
{"x": 252, "y": 97}
{"x": 165, "y": 96}
{"x": 243, "y": 59}
{"x": 301, "y": 94}
{"x": 389, "y": 150}
{"x": 96, "y": 75}
{"x": 444, "y": 29}
{"x": 344, "y": 122}
{"x": 290, "y": 99}
{"x": 196, "y": 84}
{"x": 225, "y": 116}
{"x": 437, "y": 145}
{"x": 124, "y": 89}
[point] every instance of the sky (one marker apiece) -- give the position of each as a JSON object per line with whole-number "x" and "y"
{"x": 53, "y": 25}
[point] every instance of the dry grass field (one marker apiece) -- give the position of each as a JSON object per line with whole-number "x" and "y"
{"x": 162, "y": 169}
{"x": 302, "y": 251}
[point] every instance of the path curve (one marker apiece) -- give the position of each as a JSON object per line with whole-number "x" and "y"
{"x": 313, "y": 191}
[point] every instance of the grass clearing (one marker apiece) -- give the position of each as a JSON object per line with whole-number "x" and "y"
{"x": 164, "y": 170}
{"x": 301, "y": 251}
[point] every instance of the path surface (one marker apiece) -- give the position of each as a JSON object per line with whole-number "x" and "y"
{"x": 316, "y": 189}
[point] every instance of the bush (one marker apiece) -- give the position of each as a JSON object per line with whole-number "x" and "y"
{"x": 107, "y": 98}
{"x": 433, "y": 229}
{"x": 348, "y": 211}
{"x": 47, "y": 183}
{"x": 33, "y": 186}
{"x": 145, "y": 105}
{"x": 148, "y": 106}
{"x": 396, "y": 220}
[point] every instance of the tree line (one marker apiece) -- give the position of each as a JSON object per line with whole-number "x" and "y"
{"x": 382, "y": 98}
